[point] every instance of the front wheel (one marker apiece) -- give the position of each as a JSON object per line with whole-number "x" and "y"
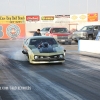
{"x": 28, "y": 58}
{"x": 90, "y": 37}
{"x": 69, "y": 43}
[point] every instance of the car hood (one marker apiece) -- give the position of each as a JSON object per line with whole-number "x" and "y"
{"x": 48, "y": 50}
{"x": 80, "y": 31}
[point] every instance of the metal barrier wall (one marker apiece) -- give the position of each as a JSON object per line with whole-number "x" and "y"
{"x": 92, "y": 46}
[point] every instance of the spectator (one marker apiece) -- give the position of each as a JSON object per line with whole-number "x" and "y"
{"x": 37, "y": 33}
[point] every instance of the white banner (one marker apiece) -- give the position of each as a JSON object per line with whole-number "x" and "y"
{"x": 62, "y": 18}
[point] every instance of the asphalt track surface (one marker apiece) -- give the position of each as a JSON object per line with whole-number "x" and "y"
{"x": 76, "y": 79}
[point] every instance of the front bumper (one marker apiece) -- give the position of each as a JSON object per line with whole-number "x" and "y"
{"x": 44, "y": 62}
{"x": 59, "y": 58}
{"x": 75, "y": 37}
{"x": 63, "y": 40}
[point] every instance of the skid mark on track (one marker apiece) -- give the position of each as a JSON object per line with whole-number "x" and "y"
{"x": 0, "y": 98}
{"x": 45, "y": 82}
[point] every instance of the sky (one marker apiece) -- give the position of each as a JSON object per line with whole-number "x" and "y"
{"x": 49, "y": 7}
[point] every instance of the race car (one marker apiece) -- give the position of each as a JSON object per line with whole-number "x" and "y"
{"x": 43, "y": 49}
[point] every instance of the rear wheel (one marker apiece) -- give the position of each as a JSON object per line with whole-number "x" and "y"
{"x": 90, "y": 37}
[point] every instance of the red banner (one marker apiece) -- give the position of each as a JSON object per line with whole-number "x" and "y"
{"x": 32, "y": 18}
{"x": 92, "y": 17}
{"x": 12, "y": 31}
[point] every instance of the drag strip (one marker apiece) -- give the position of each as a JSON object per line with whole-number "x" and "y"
{"x": 76, "y": 79}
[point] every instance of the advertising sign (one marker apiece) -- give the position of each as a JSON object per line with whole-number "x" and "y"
{"x": 32, "y": 18}
{"x": 62, "y": 18}
{"x": 92, "y": 17}
{"x": 79, "y": 17}
{"x": 48, "y": 19}
{"x": 12, "y": 19}
{"x": 12, "y": 31}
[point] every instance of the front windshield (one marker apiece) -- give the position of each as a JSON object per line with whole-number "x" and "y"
{"x": 37, "y": 42}
{"x": 59, "y": 30}
{"x": 45, "y": 29}
{"x": 87, "y": 28}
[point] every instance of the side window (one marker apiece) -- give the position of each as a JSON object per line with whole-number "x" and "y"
{"x": 99, "y": 28}
{"x": 84, "y": 28}
{"x": 90, "y": 28}
{"x": 26, "y": 42}
{"x": 95, "y": 28}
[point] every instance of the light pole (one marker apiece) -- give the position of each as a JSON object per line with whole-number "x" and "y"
{"x": 87, "y": 6}
{"x": 97, "y": 5}
{"x": 40, "y": 11}
{"x": 69, "y": 7}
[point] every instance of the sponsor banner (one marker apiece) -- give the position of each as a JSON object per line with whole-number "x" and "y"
{"x": 92, "y": 17}
{"x": 33, "y": 18}
{"x": 47, "y": 19}
{"x": 12, "y": 31}
{"x": 62, "y": 18}
{"x": 78, "y": 18}
{"x": 12, "y": 19}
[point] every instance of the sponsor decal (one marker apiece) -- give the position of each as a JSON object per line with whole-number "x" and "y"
{"x": 74, "y": 17}
{"x": 79, "y": 17}
{"x": 92, "y": 17}
{"x": 47, "y": 18}
{"x": 12, "y": 19}
{"x": 62, "y": 16}
{"x": 13, "y": 31}
{"x": 82, "y": 17}
{"x": 32, "y": 18}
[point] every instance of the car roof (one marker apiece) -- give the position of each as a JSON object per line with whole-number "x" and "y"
{"x": 40, "y": 37}
{"x": 46, "y": 27}
{"x": 92, "y": 25}
{"x": 55, "y": 27}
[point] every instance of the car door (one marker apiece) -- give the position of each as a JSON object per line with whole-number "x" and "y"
{"x": 96, "y": 28}
{"x": 90, "y": 30}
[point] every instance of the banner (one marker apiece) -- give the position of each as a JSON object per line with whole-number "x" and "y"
{"x": 62, "y": 18}
{"x": 33, "y": 18}
{"x": 78, "y": 18}
{"x": 12, "y": 31}
{"x": 12, "y": 19}
{"x": 92, "y": 17}
{"x": 47, "y": 19}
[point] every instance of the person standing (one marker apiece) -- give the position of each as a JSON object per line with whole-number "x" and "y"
{"x": 37, "y": 33}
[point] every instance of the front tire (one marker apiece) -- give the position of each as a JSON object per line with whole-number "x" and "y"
{"x": 90, "y": 37}
{"x": 28, "y": 58}
{"x": 69, "y": 43}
